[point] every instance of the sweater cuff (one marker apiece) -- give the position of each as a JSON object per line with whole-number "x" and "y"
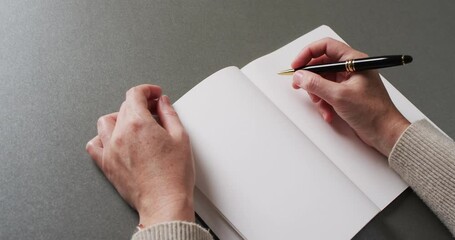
{"x": 424, "y": 158}
{"x": 177, "y": 230}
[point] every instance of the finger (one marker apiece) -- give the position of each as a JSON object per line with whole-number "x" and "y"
{"x": 320, "y": 60}
{"x": 152, "y": 105}
{"x": 295, "y": 85}
{"x": 105, "y": 126}
{"x": 317, "y": 85}
{"x": 94, "y": 148}
{"x": 142, "y": 99}
{"x": 314, "y": 98}
{"x": 169, "y": 118}
{"x": 323, "y": 60}
{"x": 333, "y": 49}
{"x": 326, "y": 111}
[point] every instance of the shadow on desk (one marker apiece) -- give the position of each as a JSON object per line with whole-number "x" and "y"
{"x": 407, "y": 217}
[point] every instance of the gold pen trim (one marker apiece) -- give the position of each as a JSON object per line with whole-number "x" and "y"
{"x": 287, "y": 72}
{"x": 349, "y": 65}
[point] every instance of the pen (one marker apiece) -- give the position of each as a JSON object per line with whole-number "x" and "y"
{"x": 355, "y": 65}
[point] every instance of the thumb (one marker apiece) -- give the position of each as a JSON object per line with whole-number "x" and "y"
{"x": 317, "y": 85}
{"x": 169, "y": 118}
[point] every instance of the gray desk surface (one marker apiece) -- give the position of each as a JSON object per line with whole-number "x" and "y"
{"x": 65, "y": 63}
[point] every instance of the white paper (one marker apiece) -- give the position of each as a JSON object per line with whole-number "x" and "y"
{"x": 258, "y": 169}
{"x": 363, "y": 165}
{"x": 217, "y": 222}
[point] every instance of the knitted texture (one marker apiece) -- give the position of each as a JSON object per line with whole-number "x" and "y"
{"x": 425, "y": 158}
{"x": 173, "y": 231}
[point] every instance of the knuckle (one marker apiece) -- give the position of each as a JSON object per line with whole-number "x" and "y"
{"x": 337, "y": 98}
{"x": 331, "y": 41}
{"x": 117, "y": 141}
{"x": 89, "y": 147}
{"x": 100, "y": 121}
{"x": 341, "y": 96}
{"x": 363, "y": 55}
{"x": 179, "y": 134}
{"x": 356, "y": 54}
{"x": 123, "y": 104}
{"x": 136, "y": 124}
{"x": 131, "y": 91}
{"x": 312, "y": 83}
{"x": 103, "y": 119}
{"x": 345, "y": 92}
{"x": 328, "y": 39}
{"x": 170, "y": 112}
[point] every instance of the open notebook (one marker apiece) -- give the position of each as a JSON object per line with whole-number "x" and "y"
{"x": 269, "y": 167}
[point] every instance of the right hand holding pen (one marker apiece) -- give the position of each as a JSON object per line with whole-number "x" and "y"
{"x": 359, "y": 98}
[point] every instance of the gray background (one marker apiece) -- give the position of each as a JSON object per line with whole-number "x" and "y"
{"x": 64, "y": 63}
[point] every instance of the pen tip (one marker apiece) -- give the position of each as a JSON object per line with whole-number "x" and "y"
{"x": 287, "y": 72}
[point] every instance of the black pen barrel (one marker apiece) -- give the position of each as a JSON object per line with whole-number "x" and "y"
{"x": 361, "y": 64}
{"x": 380, "y": 62}
{"x": 329, "y": 67}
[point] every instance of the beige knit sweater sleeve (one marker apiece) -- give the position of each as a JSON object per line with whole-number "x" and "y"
{"x": 425, "y": 158}
{"x": 177, "y": 230}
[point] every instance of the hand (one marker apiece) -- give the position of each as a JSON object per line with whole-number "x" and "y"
{"x": 150, "y": 165}
{"x": 359, "y": 98}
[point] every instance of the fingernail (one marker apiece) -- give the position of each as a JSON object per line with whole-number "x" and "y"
{"x": 166, "y": 100}
{"x": 298, "y": 77}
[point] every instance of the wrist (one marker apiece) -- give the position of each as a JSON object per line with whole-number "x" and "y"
{"x": 389, "y": 131}
{"x": 167, "y": 210}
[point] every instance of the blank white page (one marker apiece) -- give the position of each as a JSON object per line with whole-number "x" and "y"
{"x": 266, "y": 177}
{"x": 363, "y": 165}
{"x": 214, "y": 218}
